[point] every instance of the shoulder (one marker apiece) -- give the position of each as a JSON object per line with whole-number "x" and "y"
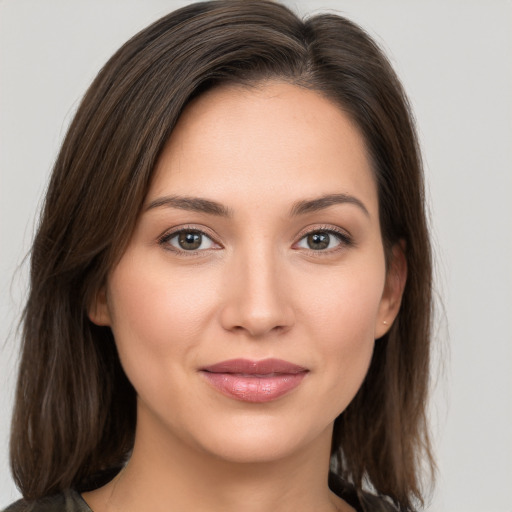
{"x": 361, "y": 501}
{"x": 371, "y": 503}
{"x": 67, "y": 501}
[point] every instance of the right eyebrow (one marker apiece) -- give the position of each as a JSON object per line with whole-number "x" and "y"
{"x": 193, "y": 204}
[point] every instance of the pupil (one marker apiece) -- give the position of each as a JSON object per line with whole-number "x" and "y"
{"x": 318, "y": 241}
{"x": 189, "y": 241}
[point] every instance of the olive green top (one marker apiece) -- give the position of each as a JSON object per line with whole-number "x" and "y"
{"x": 72, "y": 501}
{"x": 67, "y": 501}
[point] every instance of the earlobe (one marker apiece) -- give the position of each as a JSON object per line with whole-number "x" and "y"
{"x": 393, "y": 290}
{"x": 98, "y": 311}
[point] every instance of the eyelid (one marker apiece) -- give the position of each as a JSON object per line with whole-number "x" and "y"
{"x": 170, "y": 233}
{"x": 344, "y": 237}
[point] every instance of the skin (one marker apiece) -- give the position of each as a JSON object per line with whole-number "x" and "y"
{"x": 255, "y": 289}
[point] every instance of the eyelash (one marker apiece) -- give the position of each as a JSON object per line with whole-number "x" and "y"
{"x": 343, "y": 238}
{"x": 166, "y": 237}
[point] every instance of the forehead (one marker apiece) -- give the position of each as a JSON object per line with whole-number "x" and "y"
{"x": 274, "y": 141}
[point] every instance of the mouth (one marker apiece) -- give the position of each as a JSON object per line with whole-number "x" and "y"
{"x": 254, "y": 381}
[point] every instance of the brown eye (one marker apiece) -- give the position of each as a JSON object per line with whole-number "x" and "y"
{"x": 188, "y": 240}
{"x": 318, "y": 241}
{"x": 324, "y": 240}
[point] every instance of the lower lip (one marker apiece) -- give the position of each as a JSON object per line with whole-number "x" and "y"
{"x": 255, "y": 389}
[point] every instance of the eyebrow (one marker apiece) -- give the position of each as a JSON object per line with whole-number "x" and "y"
{"x": 320, "y": 203}
{"x": 197, "y": 204}
{"x": 193, "y": 204}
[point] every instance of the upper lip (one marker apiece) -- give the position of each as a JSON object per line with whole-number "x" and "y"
{"x": 249, "y": 367}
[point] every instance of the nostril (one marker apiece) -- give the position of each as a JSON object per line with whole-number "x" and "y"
{"x": 259, "y": 330}
{"x": 257, "y": 305}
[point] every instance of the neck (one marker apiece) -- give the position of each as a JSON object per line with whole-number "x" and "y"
{"x": 166, "y": 473}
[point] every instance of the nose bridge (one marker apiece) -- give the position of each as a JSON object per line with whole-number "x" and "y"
{"x": 257, "y": 301}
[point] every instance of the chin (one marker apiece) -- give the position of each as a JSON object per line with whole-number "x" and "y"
{"x": 262, "y": 440}
{"x": 266, "y": 449}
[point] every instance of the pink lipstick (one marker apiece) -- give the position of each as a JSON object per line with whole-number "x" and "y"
{"x": 254, "y": 381}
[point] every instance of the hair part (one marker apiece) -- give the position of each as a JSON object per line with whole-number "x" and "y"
{"x": 75, "y": 411}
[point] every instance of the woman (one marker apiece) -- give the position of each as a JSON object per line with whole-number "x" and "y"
{"x": 231, "y": 280}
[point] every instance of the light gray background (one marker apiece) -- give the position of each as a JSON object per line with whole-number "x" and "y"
{"x": 455, "y": 59}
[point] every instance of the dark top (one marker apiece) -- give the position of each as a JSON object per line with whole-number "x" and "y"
{"x": 71, "y": 501}
{"x": 67, "y": 501}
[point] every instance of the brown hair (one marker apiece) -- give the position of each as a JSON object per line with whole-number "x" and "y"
{"x": 74, "y": 417}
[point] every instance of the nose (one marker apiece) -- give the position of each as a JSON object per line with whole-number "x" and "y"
{"x": 257, "y": 298}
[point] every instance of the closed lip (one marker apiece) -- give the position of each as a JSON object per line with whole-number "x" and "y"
{"x": 263, "y": 367}
{"x": 254, "y": 381}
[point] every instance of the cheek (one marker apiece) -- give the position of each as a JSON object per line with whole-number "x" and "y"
{"x": 156, "y": 318}
{"x": 344, "y": 303}
{"x": 341, "y": 318}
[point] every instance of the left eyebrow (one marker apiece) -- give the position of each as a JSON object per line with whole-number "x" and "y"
{"x": 320, "y": 203}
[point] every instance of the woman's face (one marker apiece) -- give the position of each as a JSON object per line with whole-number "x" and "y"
{"x": 246, "y": 305}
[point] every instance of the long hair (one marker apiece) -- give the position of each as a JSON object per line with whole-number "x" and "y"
{"x": 75, "y": 411}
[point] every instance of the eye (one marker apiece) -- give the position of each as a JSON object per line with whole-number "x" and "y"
{"x": 188, "y": 240}
{"x": 323, "y": 240}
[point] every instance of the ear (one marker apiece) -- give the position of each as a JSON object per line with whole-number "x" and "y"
{"x": 393, "y": 290}
{"x": 99, "y": 312}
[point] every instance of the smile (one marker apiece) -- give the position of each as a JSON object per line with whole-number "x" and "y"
{"x": 254, "y": 381}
